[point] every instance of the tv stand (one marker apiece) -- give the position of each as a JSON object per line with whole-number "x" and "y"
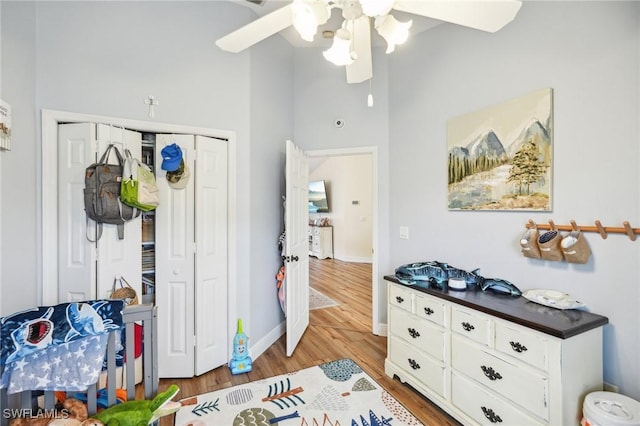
{"x": 321, "y": 241}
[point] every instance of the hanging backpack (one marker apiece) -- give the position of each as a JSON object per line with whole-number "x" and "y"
{"x": 102, "y": 203}
{"x": 138, "y": 187}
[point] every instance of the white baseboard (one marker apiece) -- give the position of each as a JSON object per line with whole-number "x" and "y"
{"x": 263, "y": 344}
{"x": 381, "y": 330}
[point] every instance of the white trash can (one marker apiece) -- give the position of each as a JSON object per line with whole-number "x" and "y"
{"x": 610, "y": 409}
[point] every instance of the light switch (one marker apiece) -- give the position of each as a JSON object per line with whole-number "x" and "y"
{"x": 404, "y": 232}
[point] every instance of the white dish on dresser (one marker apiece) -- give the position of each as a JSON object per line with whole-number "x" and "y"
{"x": 552, "y": 298}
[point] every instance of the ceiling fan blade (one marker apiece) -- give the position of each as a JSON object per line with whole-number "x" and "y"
{"x": 257, "y": 30}
{"x": 361, "y": 68}
{"x": 482, "y": 15}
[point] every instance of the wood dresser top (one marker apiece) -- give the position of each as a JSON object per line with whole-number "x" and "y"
{"x": 555, "y": 322}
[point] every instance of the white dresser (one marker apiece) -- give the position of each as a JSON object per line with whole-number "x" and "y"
{"x": 321, "y": 241}
{"x": 488, "y": 358}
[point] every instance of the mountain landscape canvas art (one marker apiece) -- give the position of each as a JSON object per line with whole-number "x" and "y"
{"x": 501, "y": 157}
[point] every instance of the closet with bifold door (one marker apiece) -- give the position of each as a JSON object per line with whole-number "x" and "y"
{"x": 191, "y": 259}
{"x": 189, "y": 241}
{"x": 86, "y": 269}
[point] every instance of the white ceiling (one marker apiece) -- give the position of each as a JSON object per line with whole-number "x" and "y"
{"x": 420, "y": 23}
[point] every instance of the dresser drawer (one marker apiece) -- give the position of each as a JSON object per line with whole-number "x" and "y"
{"x": 522, "y": 344}
{"x": 484, "y": 407}
{"x": 472, "y": 325}
{"x": 418, "y": 333}
{"x": 401, "y": 297}
{"x": 426, "y": 370}
{"x": 511, "y": 380}
{"x": 430, "y": 308}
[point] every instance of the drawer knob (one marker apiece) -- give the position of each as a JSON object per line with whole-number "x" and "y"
{"x": 413, "y": 332}
{"x": 467, "y": 326}
{"x": 491, "y": 415}
{"x": 413, "y": 364}
{"x": 399, "y": 299}
{"x": 516, "y": 346}
{"x": 491, "y": 373}
{"x": 428, "y": 311}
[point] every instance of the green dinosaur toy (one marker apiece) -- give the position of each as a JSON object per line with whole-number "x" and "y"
{"x": 140, "y": 412}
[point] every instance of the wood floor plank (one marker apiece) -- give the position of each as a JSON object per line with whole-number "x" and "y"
{"x": 342, "y": 331}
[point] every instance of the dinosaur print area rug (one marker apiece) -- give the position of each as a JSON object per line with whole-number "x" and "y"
{"x": 337, "y": 393}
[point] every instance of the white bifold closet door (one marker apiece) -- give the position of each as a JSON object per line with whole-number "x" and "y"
{"x": 191, "y": 260}
{"x": 86, "y": 270}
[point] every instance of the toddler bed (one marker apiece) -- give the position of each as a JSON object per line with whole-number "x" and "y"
{"x": 41, "y": 347}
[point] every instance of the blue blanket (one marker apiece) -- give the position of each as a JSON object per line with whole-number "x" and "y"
{"x": 57, "y": 347}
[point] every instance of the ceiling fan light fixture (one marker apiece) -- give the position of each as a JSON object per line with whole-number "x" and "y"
{"x": 340, "y": 51}
{"x": 307, "y": 15}
{"x": 373, "y": 8}
{"x": 393, "y": 31}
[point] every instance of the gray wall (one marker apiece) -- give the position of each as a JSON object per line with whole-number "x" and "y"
{"x": 322, "y": 95}
{"x": 271, "y": 126}
{"x": 105, "y": 58}
{"x": 588, "y": 52}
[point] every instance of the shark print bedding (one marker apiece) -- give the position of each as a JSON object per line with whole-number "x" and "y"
{"x": 57, "y": 347}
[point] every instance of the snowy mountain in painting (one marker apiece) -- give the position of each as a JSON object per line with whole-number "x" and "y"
{"x": 487, "y": 145}
{"x": 459, "y": 151}
{"x": 537, "y": 133}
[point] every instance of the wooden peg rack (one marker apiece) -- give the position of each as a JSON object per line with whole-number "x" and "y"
{"x": 602, "y": 230}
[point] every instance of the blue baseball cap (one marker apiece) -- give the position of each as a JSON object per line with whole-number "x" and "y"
{"x": 171, "y": 157}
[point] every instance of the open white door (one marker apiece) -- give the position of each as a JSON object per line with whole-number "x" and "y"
{"x": 297, "y": 245}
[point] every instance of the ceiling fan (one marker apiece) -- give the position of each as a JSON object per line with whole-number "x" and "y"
{"x": 352, "y": 41}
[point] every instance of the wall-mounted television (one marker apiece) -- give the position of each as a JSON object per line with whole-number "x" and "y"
{"x": 318, "y": 202}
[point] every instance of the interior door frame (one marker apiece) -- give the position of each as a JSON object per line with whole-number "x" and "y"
{"x": 49, "y": 181}
{"x": 378, "y": 328}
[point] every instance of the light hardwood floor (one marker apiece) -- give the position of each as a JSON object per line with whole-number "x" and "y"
{"x": 342, "y": 331}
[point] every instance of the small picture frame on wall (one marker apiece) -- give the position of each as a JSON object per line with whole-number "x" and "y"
{"x": 501, "y": 157}
{"x": 5, "y": 126}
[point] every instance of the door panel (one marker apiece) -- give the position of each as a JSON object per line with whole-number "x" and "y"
{"x": 174, "y": 247}
{"x": 119, "y": 257}
{"x": 76, "y": 256}
{"x": 211, "y": 254}
{"x": 297, "y": 245}
{"x": 87, "y": 269}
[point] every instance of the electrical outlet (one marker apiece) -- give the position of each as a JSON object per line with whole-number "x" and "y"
{"x": 610, "y": 387}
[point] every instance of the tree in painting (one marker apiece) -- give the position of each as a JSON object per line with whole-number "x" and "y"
{"x": 526, "y": 167}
